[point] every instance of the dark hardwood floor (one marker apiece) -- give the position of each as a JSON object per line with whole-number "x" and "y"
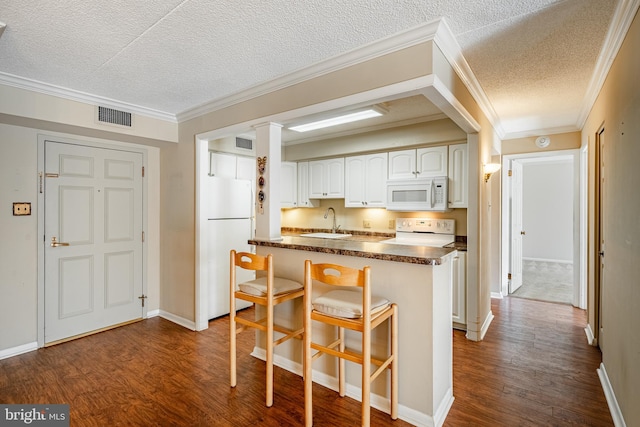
{"x": 533, "y": 368}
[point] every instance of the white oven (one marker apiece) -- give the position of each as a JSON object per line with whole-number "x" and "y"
{"x": 424, "y": 232}
{"x": 425, "y": 194}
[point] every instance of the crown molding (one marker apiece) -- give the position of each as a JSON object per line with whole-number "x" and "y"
{"x": 74, "y": 95}
{"x": 448, "y": 45}
{"x": 621, "y": 22}
{"x": 395, "y": 42}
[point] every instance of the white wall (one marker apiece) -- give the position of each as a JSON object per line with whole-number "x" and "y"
{"x": 548, "y": 210}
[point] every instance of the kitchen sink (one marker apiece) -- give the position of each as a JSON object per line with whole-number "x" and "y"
{"x": 326, "y": 235}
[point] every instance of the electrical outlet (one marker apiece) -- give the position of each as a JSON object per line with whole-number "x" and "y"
{"x": 392, "y": 224}
{"x": 366, "y": 223}
{"x": 21, "y": 209}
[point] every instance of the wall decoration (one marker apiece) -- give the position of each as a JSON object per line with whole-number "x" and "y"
{"x": 262, "y": 164}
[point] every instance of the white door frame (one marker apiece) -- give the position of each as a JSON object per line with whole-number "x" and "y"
{"x": 113, "y": 145}
{"x": 579, "y": 245}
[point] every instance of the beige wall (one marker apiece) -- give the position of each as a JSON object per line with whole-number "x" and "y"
{"x": 559, "y": 141}
{"x": 617, "y": 109}
{"x": 19, "y": 245}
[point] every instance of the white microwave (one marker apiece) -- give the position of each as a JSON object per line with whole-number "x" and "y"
{"x": 424, "y": 194}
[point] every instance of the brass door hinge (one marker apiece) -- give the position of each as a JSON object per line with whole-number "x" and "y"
{"x": 143, "y": 171}
{"x": 510, "y": 172}
{"x": 509, "y": 276}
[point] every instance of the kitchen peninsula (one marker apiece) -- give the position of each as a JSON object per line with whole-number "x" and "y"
{"x": 418, "y": 279}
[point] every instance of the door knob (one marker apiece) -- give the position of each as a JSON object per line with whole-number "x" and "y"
{"x": 55, "y": 243}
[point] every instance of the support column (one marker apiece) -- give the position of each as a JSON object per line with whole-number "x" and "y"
{"x": 268, "y": 160}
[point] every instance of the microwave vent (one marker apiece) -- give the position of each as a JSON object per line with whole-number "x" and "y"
{"x": 116, "y": 117}
{"x": 244, "y": 143}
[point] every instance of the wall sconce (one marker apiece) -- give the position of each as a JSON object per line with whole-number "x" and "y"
{"x": 489, "y": 169}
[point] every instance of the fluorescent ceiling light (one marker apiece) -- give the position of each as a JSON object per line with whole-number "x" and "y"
{"x": 333, "y": 121}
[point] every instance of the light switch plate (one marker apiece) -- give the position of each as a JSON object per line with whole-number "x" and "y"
{"x": 21, "y": 208}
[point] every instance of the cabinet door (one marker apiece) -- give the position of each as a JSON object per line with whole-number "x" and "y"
{"x": 223, "y": 165}
{"x": 317, "y": 172}
{"x": 458, "y": 176}
{"x": 335, "y": 178}
{"x": 432, "y": 161}
{"x": 402, "y": 164}
{"x": 326, "y": 179}
{"x": 246, "y": 168}
{"x": 354, "y": 181}
{"x": 303, "y": 187}
{"x": 459, "y": 290}
{"x": 375, "y": 180}
{"x": 288, "y": 185}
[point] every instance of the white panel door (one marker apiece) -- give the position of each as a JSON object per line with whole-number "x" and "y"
{"x": 516, "y": 226}
{"x": 93, "y": 239}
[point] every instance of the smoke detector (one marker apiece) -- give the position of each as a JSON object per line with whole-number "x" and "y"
{"x": 543, "y": 141}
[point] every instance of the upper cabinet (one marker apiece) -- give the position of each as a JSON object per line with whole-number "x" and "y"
{"x": 326, "y": 179}
{"x": 458, "y": 176}
{"x": 288, "y": 185}
{"x": 365, "y": 183}
{"x": 419, "y": 163}
{"x": 303, "y": 187}
{"x": 224, "y": 165}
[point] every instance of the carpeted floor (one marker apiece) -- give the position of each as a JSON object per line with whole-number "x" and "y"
{"x": 546, "y": 281}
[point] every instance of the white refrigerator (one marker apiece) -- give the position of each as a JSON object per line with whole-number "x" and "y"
{"x": 229, "y": 226}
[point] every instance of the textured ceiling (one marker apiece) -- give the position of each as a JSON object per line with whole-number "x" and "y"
{"x": 533, "y": 58}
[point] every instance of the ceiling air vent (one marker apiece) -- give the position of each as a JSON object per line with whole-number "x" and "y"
{"x": 247, "y": 144}
{"x": 116, "y": 117}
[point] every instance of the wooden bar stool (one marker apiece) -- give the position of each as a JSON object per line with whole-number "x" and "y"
{"x": 350, "y": 306}
{"x": 267, "y": 291}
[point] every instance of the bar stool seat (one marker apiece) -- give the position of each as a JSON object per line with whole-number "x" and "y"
{"x": 267, "y": 291}
{"x": 352, "y": 307}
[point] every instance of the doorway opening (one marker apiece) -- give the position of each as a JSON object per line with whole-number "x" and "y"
{"x": 542, "y": 233}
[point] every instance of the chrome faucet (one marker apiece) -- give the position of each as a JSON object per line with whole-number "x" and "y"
{"x": 334, "y": 228}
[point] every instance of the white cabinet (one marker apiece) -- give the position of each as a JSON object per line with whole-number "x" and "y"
{"x": 458, "y": 176}
{"x": 288, "y": 185}
{"x": 365, "y": 181}
{"x": 326, "y": 179}
{"x": 420, "y": 163}
{"x": 459, "y": 290}
{"x": 303, "y": 187}
{"x": 224, "y": 165}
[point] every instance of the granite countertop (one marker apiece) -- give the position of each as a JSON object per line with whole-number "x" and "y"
{"x": 365, "y": 246}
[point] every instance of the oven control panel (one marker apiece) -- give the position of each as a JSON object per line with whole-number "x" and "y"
{"x": 426, "y": 225}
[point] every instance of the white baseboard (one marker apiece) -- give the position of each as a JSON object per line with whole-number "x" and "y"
{"x": 559, "y": 261}
{"x": 189, "y": 324}
{"x": 479, "y": 335}
{"x": 153, "y": 313}
{"x": 378, "y": 402}
{"x": 497, "y": 295}
{"x": 616, "y": 414}
{"x": 21, "y": 349}
{"x": 591, "y": 339}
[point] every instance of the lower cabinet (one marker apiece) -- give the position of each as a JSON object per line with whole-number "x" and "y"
{"x": 459, "y": 291}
